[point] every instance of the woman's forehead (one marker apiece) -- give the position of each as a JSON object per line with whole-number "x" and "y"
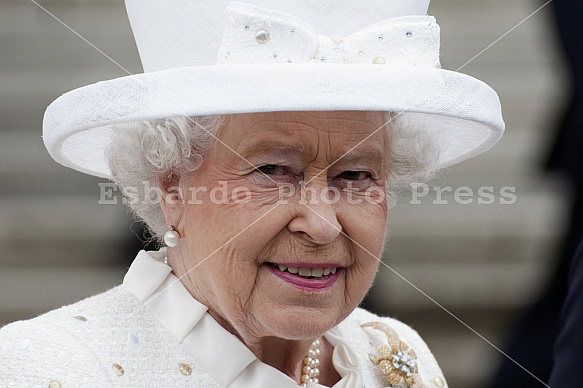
{"x": 349, "y": 125}
{"x": 364, "y": 117}
{"x": 298, "y": 132}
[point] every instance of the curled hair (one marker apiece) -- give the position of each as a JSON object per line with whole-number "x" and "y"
{"x": 177, "y": 147}
{"x": 413, "y": 154}
{"x": 139, "y": 150}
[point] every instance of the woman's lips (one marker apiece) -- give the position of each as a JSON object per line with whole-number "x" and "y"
{"x": 308, "y": 265}
{"x": 320, "y": 283}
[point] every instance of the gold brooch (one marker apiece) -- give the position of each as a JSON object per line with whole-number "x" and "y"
{"x": 397, "y": 361}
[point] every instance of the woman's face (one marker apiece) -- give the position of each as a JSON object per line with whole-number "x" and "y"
{"x": 304, "y": 190}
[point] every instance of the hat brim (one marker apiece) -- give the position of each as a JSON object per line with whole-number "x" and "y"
{"x": 464, "y": 112}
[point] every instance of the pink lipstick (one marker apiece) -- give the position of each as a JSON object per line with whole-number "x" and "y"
{"x": 307, "y": 283}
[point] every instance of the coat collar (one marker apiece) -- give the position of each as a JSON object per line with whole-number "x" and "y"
{"x": 219, "y": 353}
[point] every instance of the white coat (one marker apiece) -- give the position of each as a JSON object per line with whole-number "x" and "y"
{"x": 150, "y": 332}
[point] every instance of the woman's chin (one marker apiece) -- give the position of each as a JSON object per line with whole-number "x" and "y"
{"x": 297, "y": 322}
{"x": 292, "y": 312}
{"x": 298, "y": 328}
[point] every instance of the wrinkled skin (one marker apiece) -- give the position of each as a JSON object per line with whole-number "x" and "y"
{"x": 226, "y": 248}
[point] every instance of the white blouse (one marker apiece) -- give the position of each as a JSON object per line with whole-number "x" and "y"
{"x": 150, "y": 332}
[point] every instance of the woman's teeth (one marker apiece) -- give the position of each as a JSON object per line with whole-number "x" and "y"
{"x": 307, "y": 272}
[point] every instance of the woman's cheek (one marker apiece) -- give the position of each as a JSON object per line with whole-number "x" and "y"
{"x": 365, "y": 226}
{"x": 371, "y": 204}
{"x": 240, "y": 192}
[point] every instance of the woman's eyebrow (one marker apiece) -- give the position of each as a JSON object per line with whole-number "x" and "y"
{"x": 264, "y": 147}
{"x": 359, "y": 154}
{"x": 367, "y": 155}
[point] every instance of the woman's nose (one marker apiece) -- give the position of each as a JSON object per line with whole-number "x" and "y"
{"x": 315, "y": 215}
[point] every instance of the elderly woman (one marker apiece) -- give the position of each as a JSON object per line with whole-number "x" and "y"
{"x": 274, "y": 167}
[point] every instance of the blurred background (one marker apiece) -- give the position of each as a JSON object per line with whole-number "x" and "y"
{"x": 485, "y": 263}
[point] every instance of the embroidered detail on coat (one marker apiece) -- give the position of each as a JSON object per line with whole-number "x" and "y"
{"x": 397, "y": 361}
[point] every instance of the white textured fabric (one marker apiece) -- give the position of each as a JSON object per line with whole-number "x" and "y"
{"x": 179, "y": 42}
{"x": 188, "y": 33}
{"x": 256, "y": 35}
{"x": 129, "y": 337}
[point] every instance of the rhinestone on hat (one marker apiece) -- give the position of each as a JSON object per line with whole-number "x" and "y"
{"x": 185, "y": 369}
{"x": 262, "y": 36}
{"x": 409, "y": 34}
{"x": 133, "y": 339}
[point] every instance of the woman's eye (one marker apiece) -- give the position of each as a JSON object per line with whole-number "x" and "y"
{"x": 270, "y": 174}
{"x": 354, "y": 175}
{"x": 270, "y": 169}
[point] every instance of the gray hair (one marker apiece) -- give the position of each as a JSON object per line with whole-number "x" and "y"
{"x": 178, "y": 145}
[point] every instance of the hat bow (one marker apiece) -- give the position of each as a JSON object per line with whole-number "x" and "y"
{"x": 258, "y": 35}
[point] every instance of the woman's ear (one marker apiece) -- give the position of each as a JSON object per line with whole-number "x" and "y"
{"x": 171, "y": 198}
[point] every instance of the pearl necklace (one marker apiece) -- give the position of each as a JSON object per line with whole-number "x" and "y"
{"x": 311, "y": 363}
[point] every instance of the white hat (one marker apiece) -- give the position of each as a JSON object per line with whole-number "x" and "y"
{"x": 215, "y": 57}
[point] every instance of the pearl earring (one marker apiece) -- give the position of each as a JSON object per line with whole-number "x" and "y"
{"x": 171, "y": 237}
